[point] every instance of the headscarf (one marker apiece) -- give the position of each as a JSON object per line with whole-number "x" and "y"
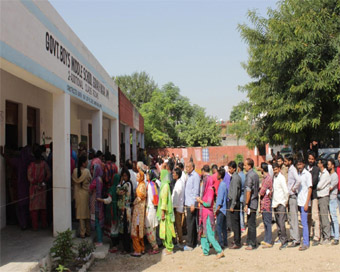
{"x": 165, "y": 181}
{"x": 113, "y": 193}
{"x": 154, "y": 189}
{"x": 141, "y": 176}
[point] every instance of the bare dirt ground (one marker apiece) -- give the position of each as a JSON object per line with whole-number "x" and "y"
{"x": 319, "y": 258}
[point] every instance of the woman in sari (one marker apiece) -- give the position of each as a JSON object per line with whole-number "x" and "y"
{"x": 96, "y": 207}
{"x": 137, "y": 229}
{"x": 81, "y": 178}
{"x": 111, "y": 228}
{"x": 125, "y": 199}
{"x": 38, "y": 174}
{"x": 151, "y": 221}
{"x": 165, "y": 214}
{"x": 207, "y": 220}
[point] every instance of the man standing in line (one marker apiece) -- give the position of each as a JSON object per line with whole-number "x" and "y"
{"x": 221, "y": 210}
{"x": 243, "y": 180}
{"x": 265, "y": 207}
{"x": 234, "y": 204}
{"x": 192, "y": 191}
{"x": 279, "y": 203}
{"x": 251, "y": 202}
{"x": 323, "y": 197}
{"x": 304, "y": 197}
{"x": 333, "y": 201}
{"x": 314, "y": 217}
{"x": 294, "y": 182}
{"x": 283, "y": 167}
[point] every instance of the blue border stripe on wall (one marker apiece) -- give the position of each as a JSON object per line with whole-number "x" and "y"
{"x": 51, "y": 27}
{"x": 12, "y": 55}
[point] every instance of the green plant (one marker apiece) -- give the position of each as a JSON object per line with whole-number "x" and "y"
{"x": 238, "y": 158}
{"x": 62, "y": 250}
{"x": 85, "y": 248}
{"x": 62, "y": 268}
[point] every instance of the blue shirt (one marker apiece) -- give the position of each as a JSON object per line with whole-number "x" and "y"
{"x": 243, "y": 180}
{"x": 222, "y": 197}
{"x": 226, "y": 180}
{"x": 192, "y": 189}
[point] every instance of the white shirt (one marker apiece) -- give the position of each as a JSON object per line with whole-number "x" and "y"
{"x": 150, "y": 218}
{"x": 178, "y": 194}
{"x": 323, "y": 184}
{"x": 280, "y": 191}
{"x": 306, "y": 182}
{"x": 133, "y": 178}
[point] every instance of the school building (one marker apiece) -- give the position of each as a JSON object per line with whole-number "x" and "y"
{"x": 54, "y": 90}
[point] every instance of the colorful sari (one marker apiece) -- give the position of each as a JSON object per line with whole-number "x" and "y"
{"x": 166, "y": 226}
{"x": 96, "y": 189}
{"x": 207, "y": 219}
{"x": 111, "y": 210}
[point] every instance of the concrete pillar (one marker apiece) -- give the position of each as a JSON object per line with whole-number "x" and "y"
{"x": 127, "y": 142}
{"x": 142, "y": 144}
{"x": 134, "y": 145}
{"x": 114, "y": 133}
{"x": 97, "y": 130}
{"x": 61, "y": 164}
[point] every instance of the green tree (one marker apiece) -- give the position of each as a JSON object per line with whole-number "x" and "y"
{"x": 294, "y": 65}
{"x": 138, "y": 87}
{"x": 170, "y": 120}
{"x": 242, "y": 121}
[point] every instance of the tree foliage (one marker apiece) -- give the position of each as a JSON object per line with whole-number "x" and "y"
{"x": 138, "y": 87}
{"x": 293, "y": 61}
{"x": 171, "y": 120}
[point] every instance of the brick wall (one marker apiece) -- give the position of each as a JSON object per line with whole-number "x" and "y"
{"x": 219, "y": 155}
{"x": 125, "y": 109}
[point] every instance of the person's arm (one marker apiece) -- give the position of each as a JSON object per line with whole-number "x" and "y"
{"x": 106, "y": 201}
{"x": 310, "y": 189}
{"x": 248, "y": 186}
{"x": 195, "y": 190}
{"x": 264, "y": 188}
{"x": 334, "y": 183}
{"x": 220, "y": 197}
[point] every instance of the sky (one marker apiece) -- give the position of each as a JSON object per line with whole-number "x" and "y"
{"x": 194, "y": 44}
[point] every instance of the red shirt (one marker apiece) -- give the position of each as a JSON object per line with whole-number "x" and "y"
{"x": 267, "y": 184}
{"x": 216, "y": 182}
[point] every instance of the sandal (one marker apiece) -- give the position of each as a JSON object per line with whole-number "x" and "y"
{"x": 154, "y": 251}
{"x": 113, "y": 250}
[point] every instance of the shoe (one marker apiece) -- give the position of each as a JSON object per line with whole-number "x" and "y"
{"x": 263, "y": 243}
{"x": 315, "y": 243}
{"x": 283, "y": 246}
{"x": 277, "y": 242}
{"x": 303, "y": 247}
{"x": 235, "y": 247}
{"x": 335, "y": 242}
{"x": 294, "y": 244}
{"x": 187, "y": 248}
{"x": 325, "y": 242}
{"x": 267, "y": 245}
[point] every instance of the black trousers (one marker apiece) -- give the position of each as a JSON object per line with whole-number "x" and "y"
{"x": 236, "y": 224}
{"x": 280, "y": 218}
{"x": 126, "y": 236}
{"x": 191, "y": 228}
{"x": 251, "y": 237}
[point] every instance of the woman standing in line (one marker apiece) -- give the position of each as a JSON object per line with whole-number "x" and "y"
{"x": 112, "y": 228}
{"x": 151, "y": 221}
{"x": 81, "y": 178}
{"x": 165, "y": 214}
{"x": 207, "y": 219}
{"x": 125, "y": 200}
{"x": 38, "y": 174}
{"x": 137, "y": 229}
{"x": 96, "y": 207}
